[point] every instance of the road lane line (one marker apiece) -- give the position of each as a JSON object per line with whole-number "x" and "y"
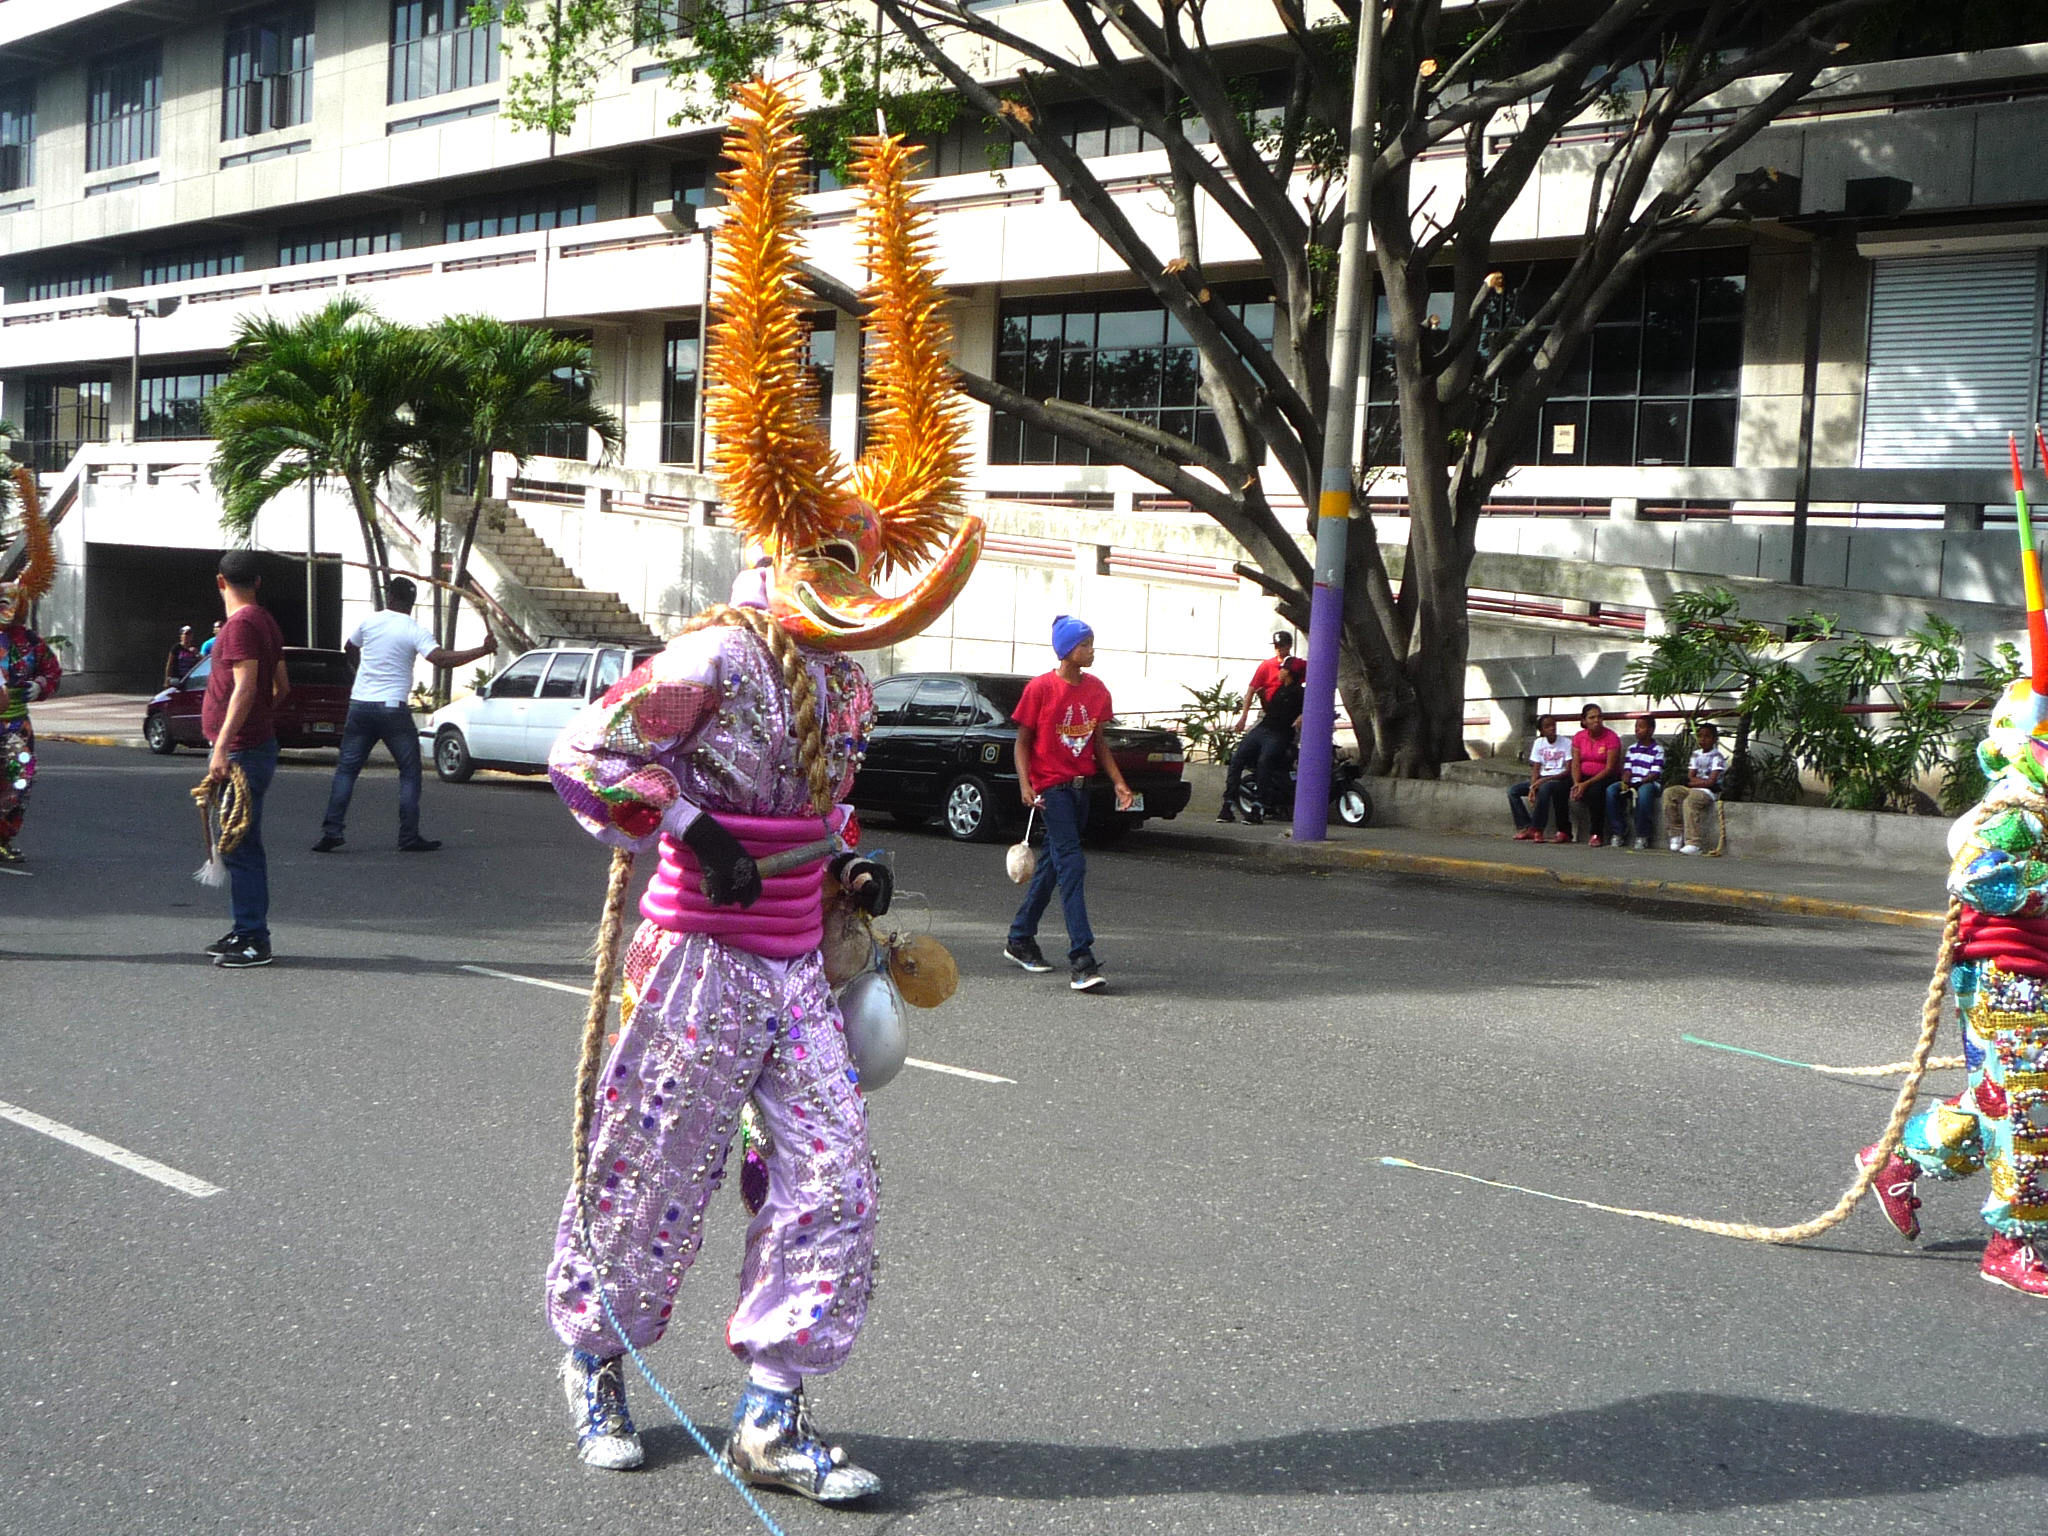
{"x": 563, "y": 986}
{"x": 7, "y": 869}
{"x": 85, "y": 1141}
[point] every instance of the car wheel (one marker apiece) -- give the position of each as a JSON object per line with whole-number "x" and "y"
{"x": 970, "y": 815}
{"x": 452, "y": 762}
{"x": 156, "y": 730}
{"x": 1354, "y": 806}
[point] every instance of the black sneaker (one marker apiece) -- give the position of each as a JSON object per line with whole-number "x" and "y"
{"x": 1255, "y": 817}
{"x": 246, "y": 955}
{"x": 1084, "y": 975}
{"x": 1226, "y": 814}
{"x": 420, "y": 845}
{"x": 1025, "y": 952}
{"x": 329, "y": 841}
{"x": 223, "y": 944}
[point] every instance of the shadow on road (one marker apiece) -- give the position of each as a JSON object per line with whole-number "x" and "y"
{"x": 1674, "y": 1452}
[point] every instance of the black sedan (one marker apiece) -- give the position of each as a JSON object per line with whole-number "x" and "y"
{"x": 944, "y": 746}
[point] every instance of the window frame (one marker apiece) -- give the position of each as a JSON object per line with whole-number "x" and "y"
{"x": 129, "y": 132}
{"x": 432, "y": 42}
{"x": 678, "y": 397}
{"x": 18, "y": 132}
{"x": 284, "y": 98}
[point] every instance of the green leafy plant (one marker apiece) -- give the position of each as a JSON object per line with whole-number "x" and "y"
{"x": 1208, "y": 724}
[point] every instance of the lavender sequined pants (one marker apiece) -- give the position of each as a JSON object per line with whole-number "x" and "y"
{"x": 705, "y": 1027}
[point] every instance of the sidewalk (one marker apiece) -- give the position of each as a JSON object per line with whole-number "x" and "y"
{"x": 1908, "y": 897}
{"x": 94, "y": 719}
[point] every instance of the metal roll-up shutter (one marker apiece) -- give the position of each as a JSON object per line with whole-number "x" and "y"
{"x": 1955, "y": 356}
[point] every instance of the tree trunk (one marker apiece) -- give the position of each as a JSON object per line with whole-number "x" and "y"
{"x": 374, "y": 553}
{"x": 458, "y": 578}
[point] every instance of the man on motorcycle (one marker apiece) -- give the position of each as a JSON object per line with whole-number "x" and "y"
{"x": 1268, "y": 745}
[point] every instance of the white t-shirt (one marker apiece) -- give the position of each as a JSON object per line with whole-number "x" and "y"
{"x": 1707, "y": 763}
{"x": 1550, "y": 758}
{"x": 390, "y": 643}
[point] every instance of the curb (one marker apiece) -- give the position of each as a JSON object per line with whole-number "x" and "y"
{"x": 1520, "y": 876}
{"x": 85, "y": 739}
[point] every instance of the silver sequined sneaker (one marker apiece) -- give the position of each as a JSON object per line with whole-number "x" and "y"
{"x": 773, "y": 1444}
{"x": 596, "y": 1390}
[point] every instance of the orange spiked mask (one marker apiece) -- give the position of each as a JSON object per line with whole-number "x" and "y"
{"x": 39, "y": 570}
{"x": 831, "y": 533}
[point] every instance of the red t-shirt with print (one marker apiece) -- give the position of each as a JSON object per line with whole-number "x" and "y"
{"x": 1062, "y": 717}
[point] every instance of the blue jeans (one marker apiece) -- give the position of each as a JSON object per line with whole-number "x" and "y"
{"x": 368, "y": 724}
{"x": 1064, "y": 813}
{"x": 248, "y": 871}
{"x": 1647, "y": 796}
{"x": 1553, "y": 797}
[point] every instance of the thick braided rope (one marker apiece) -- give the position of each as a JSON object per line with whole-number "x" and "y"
{"x": 605, "y": 976}
{"x": 223, "y": 811}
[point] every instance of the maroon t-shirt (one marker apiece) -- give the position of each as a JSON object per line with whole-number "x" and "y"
{"x": 250, "y": 634}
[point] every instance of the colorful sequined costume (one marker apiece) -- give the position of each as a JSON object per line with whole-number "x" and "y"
{"x": 1999, "y": 1123}
{"x": 28, "y": 668}
{"x": 703, "y": 753}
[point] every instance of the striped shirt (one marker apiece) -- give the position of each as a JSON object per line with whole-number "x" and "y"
{"x": 1644, "y": 760}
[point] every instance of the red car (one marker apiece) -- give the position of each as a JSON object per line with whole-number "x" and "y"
{"x": 311, "y": 715}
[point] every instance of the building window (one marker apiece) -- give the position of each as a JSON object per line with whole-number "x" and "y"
{"x": 67, "y": 283}
{"x": 520, "y": 213}
{"x": 821, "y": 349}
{"x": 60, "y": 415}
{"x": 267, "y": 74}
{"x": 1122, "y": 354}
{"x": 333, "y": 242}
{"x": 565, "y": 442}
{"x": 692, "y": 183}
{"x": 124, "y": 100}
{"x": 171, "y": 400}
{"x": 17, "y": 137}
{"x": 679, "y": 395}
{"x": 191, "y": 261}
{"x": 434, "y": 49}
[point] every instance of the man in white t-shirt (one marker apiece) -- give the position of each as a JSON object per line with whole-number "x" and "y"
{"x": 385, "y": 647}
{"x": 1703, "y": 775}
{"x": 1547, "y": 794}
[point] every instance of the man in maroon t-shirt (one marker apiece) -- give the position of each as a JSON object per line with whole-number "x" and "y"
{"x": 1059, "y": 747}
{"x": 238, "y": 716}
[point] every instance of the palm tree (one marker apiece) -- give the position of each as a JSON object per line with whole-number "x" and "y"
{"x": 323, "y": 397}
{"x": 495, "y": 388}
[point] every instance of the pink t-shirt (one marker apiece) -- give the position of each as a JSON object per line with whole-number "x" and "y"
{"x": 1596, "y": 752}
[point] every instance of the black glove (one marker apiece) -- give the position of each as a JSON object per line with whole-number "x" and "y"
{"x": 730, "y": 877}
{"x": 869, "y": 885}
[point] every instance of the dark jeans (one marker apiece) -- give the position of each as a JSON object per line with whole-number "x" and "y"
{"x": 1647, "y": 796}
{"x": 1061, "y": 863}
{"x": 1267, "y": 749}
{"x": 1589, "y": 811}
{"x": 248, "y": 871}
{"x": 1552, "y": 796}
{"x": 367, "y": 725}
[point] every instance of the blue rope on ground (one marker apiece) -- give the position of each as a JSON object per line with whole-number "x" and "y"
{"x": 723, "y": 1466}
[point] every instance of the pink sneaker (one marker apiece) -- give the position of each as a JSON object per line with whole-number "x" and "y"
{"x": 1894, "y": 1191}
{"x": 2016, "y": 1264}
{"x": 1560, "y": 837}
{"x": 1593, "y": 841}
{"x": 1528, "y": 835}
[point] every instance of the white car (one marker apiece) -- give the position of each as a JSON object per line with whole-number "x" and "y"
{"x": 512, "y": 721}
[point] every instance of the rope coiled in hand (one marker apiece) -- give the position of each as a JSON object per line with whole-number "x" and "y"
{"x": 225, "y": 814}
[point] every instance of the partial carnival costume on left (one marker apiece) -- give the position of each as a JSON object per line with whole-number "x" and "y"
{"x": 730, "y": 753}
{"x": 28, "y": 667}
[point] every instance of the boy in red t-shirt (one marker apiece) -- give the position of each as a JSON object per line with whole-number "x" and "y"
{"x": 1059, "y": 747}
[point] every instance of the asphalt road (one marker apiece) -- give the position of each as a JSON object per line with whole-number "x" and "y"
{"x": 1160, "y": 1283}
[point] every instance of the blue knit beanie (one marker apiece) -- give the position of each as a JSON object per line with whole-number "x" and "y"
{"x": 1067, "y": 633}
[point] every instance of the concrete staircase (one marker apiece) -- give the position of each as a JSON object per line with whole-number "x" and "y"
{"x": 560, "y": 606}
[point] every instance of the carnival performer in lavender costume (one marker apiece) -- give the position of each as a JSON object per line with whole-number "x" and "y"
{"x": 1999, "y": 1122}
{"x": 28, "y": 667}
{"x": 735, "y": 743}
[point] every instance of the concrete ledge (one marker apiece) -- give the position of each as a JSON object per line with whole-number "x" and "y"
{"x": 1797, "y": 833}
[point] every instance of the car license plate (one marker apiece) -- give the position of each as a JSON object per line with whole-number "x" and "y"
{"x": 323, "y": 728}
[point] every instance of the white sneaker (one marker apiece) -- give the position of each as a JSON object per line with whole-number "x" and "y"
{"x": 1692, "y": 848}
{"x": 1642, "y": 843}
{"x": 1677, "y": 843}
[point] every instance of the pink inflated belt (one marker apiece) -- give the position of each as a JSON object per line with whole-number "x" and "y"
{"x": 787, "y": 920}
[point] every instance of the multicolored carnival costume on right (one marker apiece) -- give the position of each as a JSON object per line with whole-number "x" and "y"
{"x": 1999, "y": 1122}
{"x": 732, "y": 752}
{"x": 28, "y": 667}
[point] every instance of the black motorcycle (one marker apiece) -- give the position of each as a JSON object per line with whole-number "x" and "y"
{"x": 1349, "y": 801}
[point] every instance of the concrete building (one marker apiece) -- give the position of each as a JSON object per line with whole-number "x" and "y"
{"x": 269, "y": 158}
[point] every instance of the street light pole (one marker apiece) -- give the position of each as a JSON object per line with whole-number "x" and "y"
{"x": 1333, "y": 505}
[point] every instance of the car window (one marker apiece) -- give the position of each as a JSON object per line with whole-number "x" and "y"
{"x": 565, "y": 677}
{"x": 611, "y": 666}
{"x": 940, "y": 701}
{"x": 519, "y": 680}
{"x": 890, "y": 697}
{"x": 325, "y": 668}
{"x": 196, "y": 678}
{"x": 1000, "y": 697}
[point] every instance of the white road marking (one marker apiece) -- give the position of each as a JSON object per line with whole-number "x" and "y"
{"x": 563, "y": 986}
{"x": 8, "y": 869}
{"x": 85, "y": 1141}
